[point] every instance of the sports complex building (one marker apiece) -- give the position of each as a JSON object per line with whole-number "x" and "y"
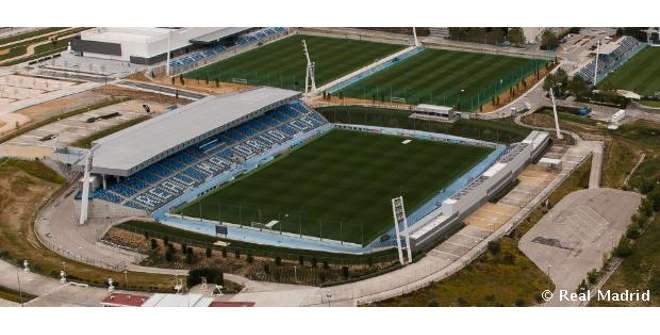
{"x": 167, "y": 166}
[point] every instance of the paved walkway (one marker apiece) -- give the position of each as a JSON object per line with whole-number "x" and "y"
{"x": 49, "y": 291}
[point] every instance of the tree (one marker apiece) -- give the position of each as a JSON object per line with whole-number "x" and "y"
{"x": 580, "y": 88}
{"x": 494, "y": 247}
{"x": 549, "y": 40}
{"x": 516, "y": 36}
{"x": 212, "y": 275}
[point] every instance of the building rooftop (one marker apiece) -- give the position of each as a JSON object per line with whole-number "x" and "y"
{"x": 124, "y": 300}
{"x": 218, "y": 35}
{"x": 132, "y": 149}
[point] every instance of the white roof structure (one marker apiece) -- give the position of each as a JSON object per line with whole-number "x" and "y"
{"x": 132, "y": 149}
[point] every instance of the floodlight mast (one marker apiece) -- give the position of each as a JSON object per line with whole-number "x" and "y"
{"x": 596, "y": 67}
{"x": 415, "y": 40}
{"x": 554, "y": 112}
{"x": 399, "y": 213}
{"x": 309, "y": 74}
{"x": 84, "y": 204}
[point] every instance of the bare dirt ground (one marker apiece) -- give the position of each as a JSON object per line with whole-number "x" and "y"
{"x": 193, "y": 84}
{"x": 62, "y": 105}
{"x": 32, "y": 145}
{"x": 9, "y": 121}
{"x": 111, "y": 90}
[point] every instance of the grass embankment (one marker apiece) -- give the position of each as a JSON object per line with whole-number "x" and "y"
{"x": 15, "y": 296}
{"x": 259, "y": 262}
{"x": 639, "y": 271}
{"x": 497, "y": 131}
{"x": 19, "y": 48}
{"x": 25, "y": 186}
{"x": 86, "y": 142}
{"x": 503, "y": 278}
{"x": 622, "y": 147}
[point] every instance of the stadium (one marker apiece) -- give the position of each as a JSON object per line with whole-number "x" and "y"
{"x": 261, "y": 166}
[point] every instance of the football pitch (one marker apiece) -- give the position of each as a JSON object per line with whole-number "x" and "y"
{"x": 438, "y": 76}
{"x": 340, "y": 185}
{"x": 641, "y": 74}
{"x": 282, "y": 63}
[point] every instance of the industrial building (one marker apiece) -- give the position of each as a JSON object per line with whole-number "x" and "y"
{"x": 148, "y": 46}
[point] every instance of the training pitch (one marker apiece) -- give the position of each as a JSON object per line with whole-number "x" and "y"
{"x": 282, "y": 63}
{"x": 438, "y": 76}
{"x": 340, "y": 185}
{"x": 641, "y": 74}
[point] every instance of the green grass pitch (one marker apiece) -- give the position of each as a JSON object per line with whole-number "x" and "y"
{"x": 282, "y": 63}
{"x": 340, "y": 185}
{"x": 437, "y": 76}
{"x": 641, "y": 74}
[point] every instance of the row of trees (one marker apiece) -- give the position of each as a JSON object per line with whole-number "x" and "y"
{"x": 562, "y": 85}
{"x": 497, "y": 35}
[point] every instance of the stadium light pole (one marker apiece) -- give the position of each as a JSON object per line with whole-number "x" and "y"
{"x": 596, "y": 67}
{"x": 169, "y": 46}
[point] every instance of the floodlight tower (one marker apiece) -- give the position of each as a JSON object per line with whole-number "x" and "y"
{"x": 399, "y": 213}
{"x": 554, "y": 112}
{"x": 309, "y": 75}
{"x": 416, "y": 41}
{"x": 84, "y": 205}
{"x": 596, "y": 67}
{"x": 169, "y": 45}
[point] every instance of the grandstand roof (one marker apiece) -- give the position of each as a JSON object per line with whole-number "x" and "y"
{"x": 217, "y": 35}
{"x": 132, "y": 149}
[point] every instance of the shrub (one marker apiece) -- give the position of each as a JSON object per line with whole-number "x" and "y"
{"x": 462, "y": 302}
{"x": 212, "y": 274}
{"x": 494, "y": 247}
{"x": 623, "y": 249}
{"x": 154, "y": 244}
{"x": 633, "y": 231}
{"x": 582, "y": 288}
{"x": 592, "y": 276}
{"x": 169, "y": 255}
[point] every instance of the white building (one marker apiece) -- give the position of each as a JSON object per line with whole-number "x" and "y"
{"x": 146, "y": 45}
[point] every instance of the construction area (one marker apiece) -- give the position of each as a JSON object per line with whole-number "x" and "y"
{"x": 41, "y": 142}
